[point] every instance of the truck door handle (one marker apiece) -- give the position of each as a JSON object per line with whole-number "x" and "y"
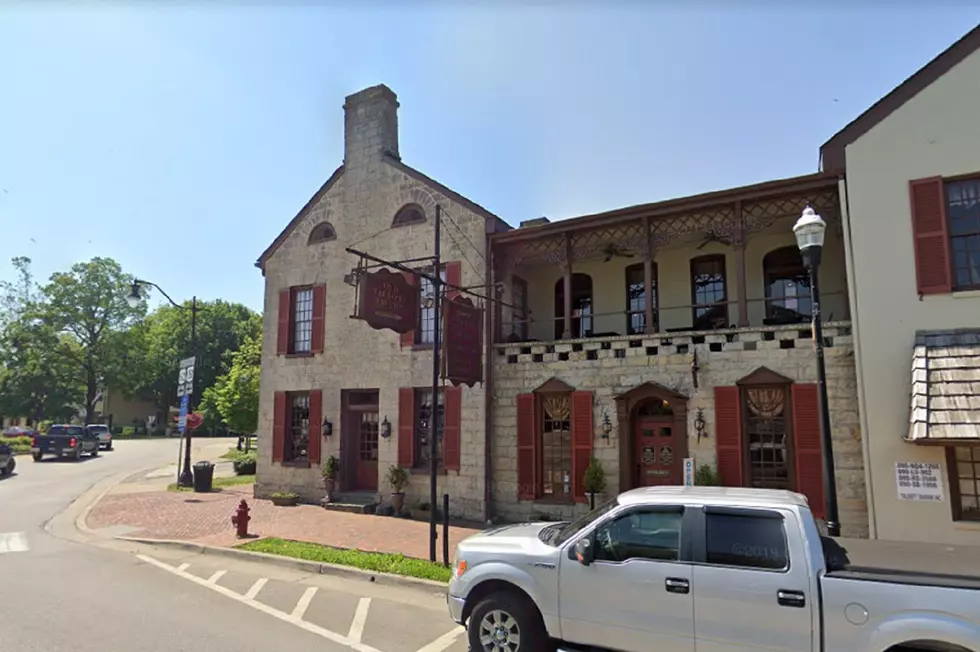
{"x": 791, "y": 598}
{"x": 677, "y": 585}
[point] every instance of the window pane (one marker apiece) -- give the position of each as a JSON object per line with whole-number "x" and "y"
{"x": 297, "y": 445}
{"x": 746, "y": 541}
{"x": 302, "y": 320}
{"x": 427, "y": 315}
{"x": 556, "y": 447}
{"x": 636, "y": 300}
{"x": 967, "y": 470}
{"x": 708, "y": 281}
{"x": 641, "y": 535}
{"x": 423, "y": 427}
{"x": 368, "y": 441}
{"x": 765, "y": 420}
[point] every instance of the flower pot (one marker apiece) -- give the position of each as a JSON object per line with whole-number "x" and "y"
{"x": 285, "y": 501}
{"x": 329, "y": 484}
{"x": 597, "y": 499}
{"x": 398, "y": 501}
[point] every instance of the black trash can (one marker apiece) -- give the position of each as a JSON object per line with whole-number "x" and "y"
{"x": 203, "y": 477}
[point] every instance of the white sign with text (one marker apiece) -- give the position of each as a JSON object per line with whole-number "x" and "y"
{"x": 919, "y": 481}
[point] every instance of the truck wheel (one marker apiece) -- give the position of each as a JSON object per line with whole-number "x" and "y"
{"x": 95, "y": 451}
{"x": 37, "y": 457}
{"x": 506, "y": 622}
{"x": 78, "y": 453}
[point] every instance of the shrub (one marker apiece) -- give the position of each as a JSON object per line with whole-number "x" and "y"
{"x": 705, "y": 476}
{"x": 244, "y": 463}
{"x": 116, "y": 430}
{"x": 397, "y": 478}
{"x": 595, "y": 479}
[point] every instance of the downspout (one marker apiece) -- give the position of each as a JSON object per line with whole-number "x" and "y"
{"x": 858, "y": 367}
{"x": 488, "y": 326}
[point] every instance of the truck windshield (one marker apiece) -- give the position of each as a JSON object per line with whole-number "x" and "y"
{"x": 569, "y": 530}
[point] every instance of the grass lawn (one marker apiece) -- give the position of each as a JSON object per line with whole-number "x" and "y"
{"x": 219, "y": 483}
{"x": 378, "y": 562}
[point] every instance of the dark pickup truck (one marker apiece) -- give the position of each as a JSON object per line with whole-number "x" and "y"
{"x": 65, "y": 441}
{"x": 7, "y": 463}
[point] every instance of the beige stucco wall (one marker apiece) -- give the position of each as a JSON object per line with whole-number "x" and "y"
{"x": 674, "y": 283}
{"x": 363, "y": 203}
{"x": 934, "y": 134}
{"x": 608, "y": 376}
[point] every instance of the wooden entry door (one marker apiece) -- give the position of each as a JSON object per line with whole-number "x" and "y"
{"x": 366, "y": 474}
{"x": 658, "y": 457}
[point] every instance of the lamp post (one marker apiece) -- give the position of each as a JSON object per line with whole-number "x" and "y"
{"x": 809, "y": 231}
{"x": 186, "y": 477}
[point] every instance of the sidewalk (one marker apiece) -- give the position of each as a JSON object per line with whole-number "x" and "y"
{"x": 143, "y": 508}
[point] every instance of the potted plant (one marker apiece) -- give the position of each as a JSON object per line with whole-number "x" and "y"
{"x": 331, "y": 469}
{"x": 285, "y": 499}
{"x": 397, "y": 480}
{"x": 595, "y": 482}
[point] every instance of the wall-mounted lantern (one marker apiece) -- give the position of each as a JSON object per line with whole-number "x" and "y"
{"x": 327, "y": 429}
{"x": 606, "y": 425}
{"x": 699, "y": 424}
{"x": 385, "y": 428}
{"x": 695, "y": 368}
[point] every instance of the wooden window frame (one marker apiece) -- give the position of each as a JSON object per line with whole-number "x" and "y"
{"x": 293, "y": 293}
{"x": 419, "y": 330}
{"x": 653, "y": 288}
{"x": 563, "y": 499}
{"x": 559, "y": 322}
{"x": 952, "y": 474}
{"x": 420, "y": 465}
{"x": 407, "y": 215}
{"x": 288, "y": 450}
{"x": 975, "y": 178}
{"x": 695, "y": 306}
{"x": 322, "y": 232}
{"x": 777, "y": 272}
{"x": 787, "y": 389}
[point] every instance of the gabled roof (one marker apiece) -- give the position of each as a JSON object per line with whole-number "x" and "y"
{"x": 832, "y": 152}
{"x": 260, "y": 263}
{"x": 494, "y": 223}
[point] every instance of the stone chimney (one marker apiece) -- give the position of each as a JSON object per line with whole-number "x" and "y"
{"x": 537, "y": 221}
{"x": 370, "y": 125}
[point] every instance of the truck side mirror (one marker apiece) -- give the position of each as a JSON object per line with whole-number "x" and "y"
{"x": 584, "y": 552}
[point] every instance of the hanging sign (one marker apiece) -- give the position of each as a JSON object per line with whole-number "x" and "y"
{"x": 387, "y": 300}
{"x": 463, "y": 349}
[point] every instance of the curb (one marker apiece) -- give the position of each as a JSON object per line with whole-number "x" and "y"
{"x": 313, "y": 567}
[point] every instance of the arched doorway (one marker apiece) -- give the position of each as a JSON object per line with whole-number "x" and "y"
{"x": 652, "y": 435}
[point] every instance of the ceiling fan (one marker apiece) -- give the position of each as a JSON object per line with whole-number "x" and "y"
{"x": 612, "y": 250}
{"x": 711, "y": 236}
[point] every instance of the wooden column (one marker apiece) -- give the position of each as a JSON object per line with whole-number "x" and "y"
{"x": 567, "y": 333}
{"x": 649, "y": 326}
{"x": 738, "y": 242}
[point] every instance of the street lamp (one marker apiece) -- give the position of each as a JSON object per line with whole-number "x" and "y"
{"x": 186, "y": 477}
{"x": 810, "y": 230}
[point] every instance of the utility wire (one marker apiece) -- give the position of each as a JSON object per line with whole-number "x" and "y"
{"x": 463, "y": 233}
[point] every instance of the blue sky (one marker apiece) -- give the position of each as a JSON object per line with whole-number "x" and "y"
{"x": 181, "y": 141}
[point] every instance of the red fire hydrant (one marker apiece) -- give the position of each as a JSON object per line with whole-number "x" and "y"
{"x": 241, "y": 518}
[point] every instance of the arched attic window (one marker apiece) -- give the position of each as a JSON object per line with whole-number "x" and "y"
{"x": 408, "y": 214}
{"x": 322, "y": 232}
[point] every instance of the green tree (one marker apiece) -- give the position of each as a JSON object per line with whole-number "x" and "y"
{"x": 237, "y": 393}
{"x": 36, "y": 380}
{"x": 164, "y": 338}
{"x": 87, "y": 308}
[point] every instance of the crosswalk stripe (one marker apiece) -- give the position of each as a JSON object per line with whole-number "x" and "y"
{"x": 13, "y": 542}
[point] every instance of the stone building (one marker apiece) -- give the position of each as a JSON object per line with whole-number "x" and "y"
{"x": 331, "y": 385}
{"x": 641, "y": 337}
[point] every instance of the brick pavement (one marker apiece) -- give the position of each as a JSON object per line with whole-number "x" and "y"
{"x": 206, "y": 519}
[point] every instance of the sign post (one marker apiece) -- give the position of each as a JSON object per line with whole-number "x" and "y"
{"x": 185, "y": 390}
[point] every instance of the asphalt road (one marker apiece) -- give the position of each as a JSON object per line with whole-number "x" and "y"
{"x": 64, "y": 592}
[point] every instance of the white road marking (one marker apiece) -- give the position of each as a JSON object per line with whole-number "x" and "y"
{"x": 217, "y": 576}
{"x": 443, "y": 642}
{"x": 264, "y": 608}
{"x": 360, "y": 617}
{"x": 183, "y": 567}
{"x": 254, "y": 591}
{"x": 13, "y": 542}
{"x": 304, "y": 603}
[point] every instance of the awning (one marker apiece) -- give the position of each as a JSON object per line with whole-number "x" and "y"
{"x": 945, "y": 387}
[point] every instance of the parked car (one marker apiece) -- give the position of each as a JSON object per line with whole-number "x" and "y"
{"x": 675, "y": 569}
{"x": 7, "y": 462}
{"x": 65, "y": 441}
{"x": 19, "y": 431}
{"x": 101, "y": 431}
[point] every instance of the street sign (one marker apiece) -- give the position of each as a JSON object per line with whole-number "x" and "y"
{"x": 185, "y": 377}
{"x": 185, "y": 401}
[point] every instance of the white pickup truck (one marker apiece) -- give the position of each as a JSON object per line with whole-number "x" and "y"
{"x": 675, "y": 569}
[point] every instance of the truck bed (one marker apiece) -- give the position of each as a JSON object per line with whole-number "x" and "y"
{"x": 919, "y": 564}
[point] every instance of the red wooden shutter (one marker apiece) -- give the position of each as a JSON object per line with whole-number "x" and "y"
{"x": 527, "y": 486}
{"x": 408, "y": 339}
{"x": 583, "y": 432}
{"x": 319, "y": 314}
{"x": 806, "y": 446}
{"x": 278, "y": 426}
{"x": 728, "y": 435}
{"x": 930, "y": 236}
{"x": 452, "y": 428}
{"x": 282, "y": 336}
{"x": 454, "y": 276}
{"x": 406, "y": 427}
{"x": 316, "y": 425}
